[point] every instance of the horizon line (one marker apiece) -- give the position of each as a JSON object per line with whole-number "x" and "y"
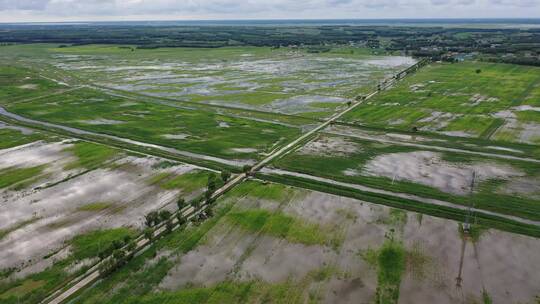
{"x": 285, "y": 19}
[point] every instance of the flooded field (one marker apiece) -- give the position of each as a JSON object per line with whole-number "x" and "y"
{"x": 402, "y": 165}
{"x": 90, "y": 142}
{"x": 261, "y": 245}
{"x": 52, "y": 193}
{"x": 288, "y": 80}
{"x": 468, "y": 99}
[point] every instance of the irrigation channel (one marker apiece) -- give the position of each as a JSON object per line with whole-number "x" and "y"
{"x": 76, "y": 285}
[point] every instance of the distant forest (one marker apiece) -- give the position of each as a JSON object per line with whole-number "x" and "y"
{"x": 512, "y": 45}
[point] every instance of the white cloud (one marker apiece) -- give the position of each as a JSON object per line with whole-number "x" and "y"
{"x": 34, "y": 10}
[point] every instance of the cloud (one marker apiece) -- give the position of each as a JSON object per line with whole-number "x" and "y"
{"x": 246, "y": 9}
{"x": 516, "y": 3}
{"x": 452, "y": 2}
{"x": 23, "y": 5}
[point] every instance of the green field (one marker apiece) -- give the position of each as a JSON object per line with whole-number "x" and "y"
{"x": 284, "y": 80}
{"x": 464, "y": 99}
{"x": 33, "y": 288}
{"x": 22, "y": 83}
{"x": 283, "y": 226}
{"x": 89, "y": 155}
{"x": 14, "y": 137}
{"x": 195, "y": 131}
{"x": 13, "y": 176}
{"x": 187, "y": 182}
{"x": 491, "y": 193}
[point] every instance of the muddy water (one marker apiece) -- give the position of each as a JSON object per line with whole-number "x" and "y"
{"x": 429, "y": 169}
{"x": 339, "y": 146}
{"x": 308, "y": 75}
{"x": 210, "y": 263}
{"x": 505, "y": 265}
{"x": 24, "y": 131}
{"x": 34, "y": 154}
{"x": 54, "y": 214}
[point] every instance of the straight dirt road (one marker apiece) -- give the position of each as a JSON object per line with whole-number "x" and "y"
{"x": 93, "y": 274}
{"x": 398, "y": 195}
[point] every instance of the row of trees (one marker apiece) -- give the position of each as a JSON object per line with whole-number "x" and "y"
{"x": 118, "y": 253}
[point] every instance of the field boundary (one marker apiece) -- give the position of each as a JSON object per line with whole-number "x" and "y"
{"x": 488, "y": 220}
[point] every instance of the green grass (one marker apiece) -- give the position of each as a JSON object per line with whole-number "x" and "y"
{"x": 231, "y": 292}
{"x": 529, "y": 116}
{"x": 269, "y": 191}
{"x": 452, "y": 89}
{"x": 95, "y": 207}
{"x": 89, "y": 245}
{"x": 255, "y": 98}
{"x": 283, "y": 226}
{"x": 227, "y": 64}
{"x": 188, "y": 182}
{"x": 482, "y": 144}
{"x": 472, "y": 124}
{"x": 396, "y": 218}
{"x": 390, "y": 265}
{"x": 11, "y": 138}
{"x": 159, "y": 178}
{"x": 225, "y": 292}
{"x": 21, "y": 83}
{"x": 184, "y": 54}
{"x": 138, "y": 278}
{"x": 191, "y": 237}
{"x": 12, "y": 176}
{"x": 390, "y": 261}
{"x": 35, "y": 287}
{"x": 202, "y": 126}
{"x": 89, "y": 155}
{"x": 136, "y": 282}
{"x": 486, "y": 298}
{"x": 25, "y": 288}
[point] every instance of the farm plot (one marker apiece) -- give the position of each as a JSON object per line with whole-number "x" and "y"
{"x": 189, "y": 129}
{"x": 64, "y": 202}
{"x": 471, "y": 145}
{"x": 505, "y": 186}
{"x": 469, "y": 99}
{"x": 12, "y": 136}
{"x": 268, "y": 243}
{"x": 285, "y": 80}
{"x": 21, "y": 83}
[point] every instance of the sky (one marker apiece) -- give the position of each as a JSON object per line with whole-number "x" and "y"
{"x": 123, "y": 10}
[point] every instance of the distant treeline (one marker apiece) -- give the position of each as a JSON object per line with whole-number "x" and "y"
{"x": 495, "y": 44}
{"x": 182, "y": 36}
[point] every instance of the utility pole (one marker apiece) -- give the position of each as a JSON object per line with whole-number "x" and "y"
{"x": 466, "y": 231}
{"x": 467, "y": 224}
